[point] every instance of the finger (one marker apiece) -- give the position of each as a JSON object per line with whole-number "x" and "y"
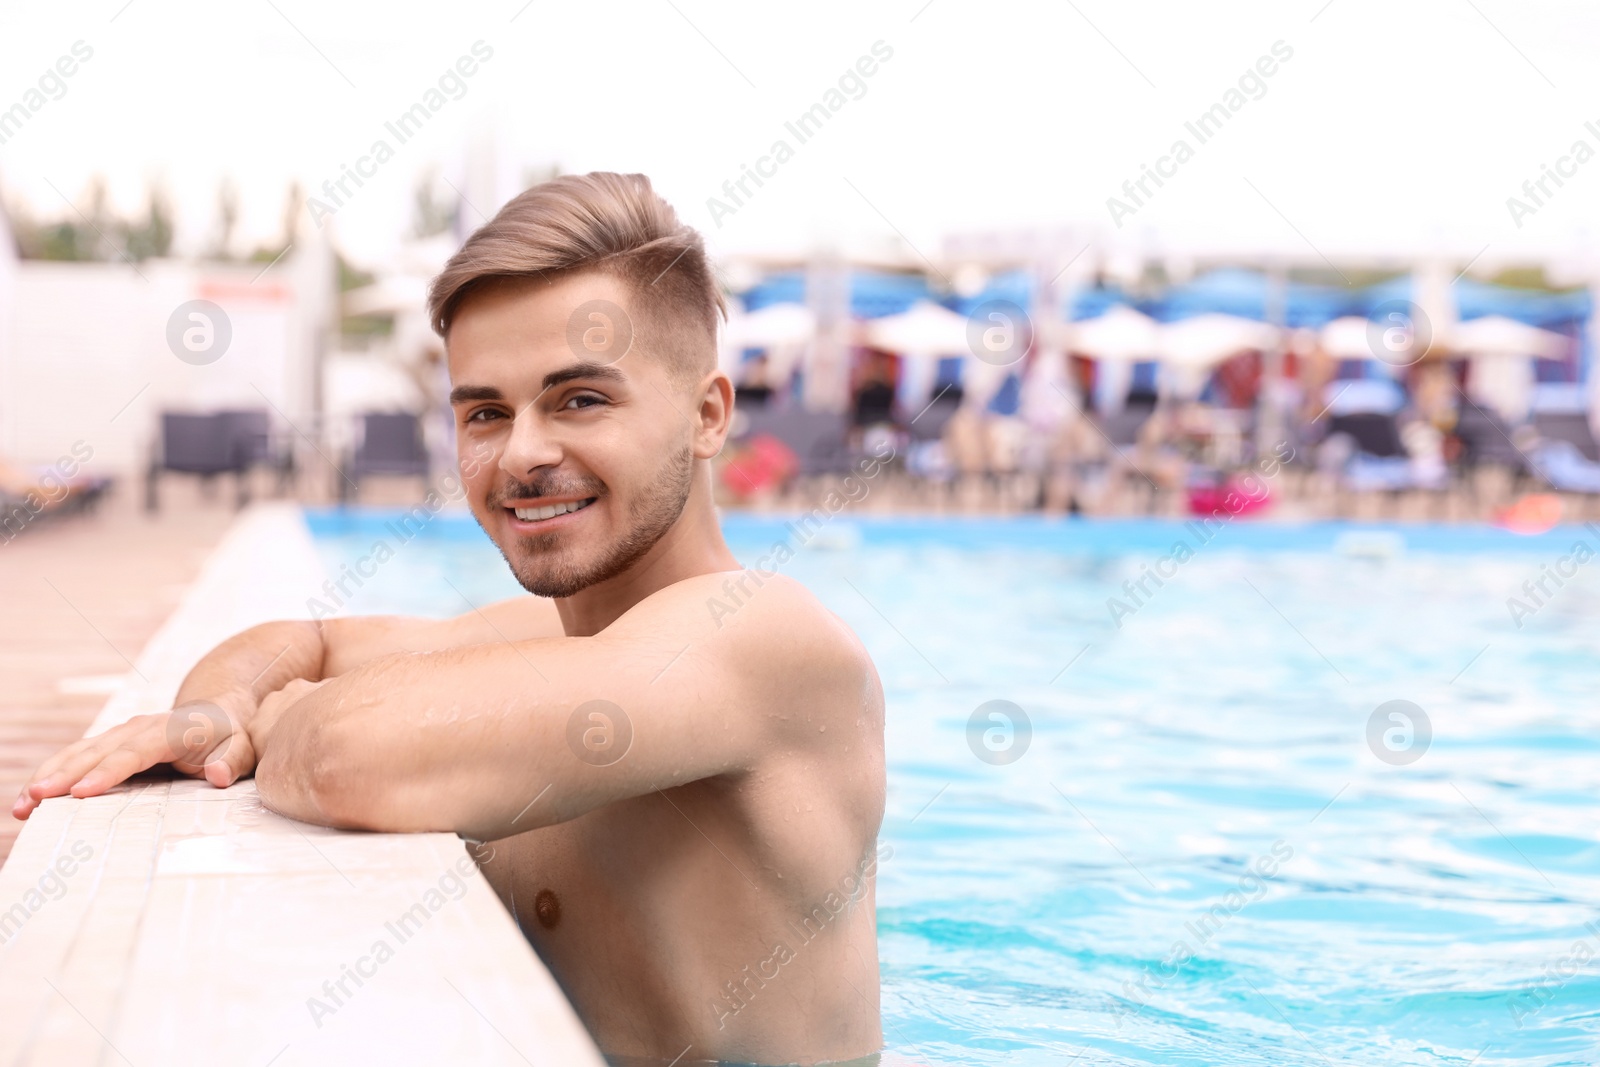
{"x": 117, "y": 766}
{"x": 154, "y": 739}
{"x": 146, "y": 736}
{"x": 232, "y": 761}
{"x": 64, "y": 770}
{"x": 75, "y": 752}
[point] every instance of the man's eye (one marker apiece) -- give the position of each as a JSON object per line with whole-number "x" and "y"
{"x": 483, "y": 415}
{"x": 585, "y": 400}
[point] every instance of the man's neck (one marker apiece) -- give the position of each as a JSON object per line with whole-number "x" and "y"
{"x": 693, "y": 546}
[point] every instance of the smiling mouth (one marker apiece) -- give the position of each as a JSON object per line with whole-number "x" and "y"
{"x": 550, "y": 511}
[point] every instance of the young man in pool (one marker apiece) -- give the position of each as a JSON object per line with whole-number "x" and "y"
{"x": 684, "y": 802}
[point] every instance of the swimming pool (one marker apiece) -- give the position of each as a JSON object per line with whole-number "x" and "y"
{"x": 1209, "y": 845}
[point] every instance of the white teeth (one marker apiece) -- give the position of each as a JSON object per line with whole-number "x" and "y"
{"x": 549, "y": 511}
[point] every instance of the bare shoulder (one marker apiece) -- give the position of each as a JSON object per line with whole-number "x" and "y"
{"x": 772, "y": 634}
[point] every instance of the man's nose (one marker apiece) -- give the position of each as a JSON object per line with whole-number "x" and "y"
{"x": 530, "y": 447}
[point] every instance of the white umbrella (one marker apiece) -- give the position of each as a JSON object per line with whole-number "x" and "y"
{"x": 1501, "y": 375}
{"x": 1348, "y": 338}
{"x": 784, "y": 330}
{"x": 1496, "y": 335}
{"x": 1205, "y": 340}
{"x": 772, "y": 326}
{"x": 1121, "y": 334}
{"x": 925, "y": 329}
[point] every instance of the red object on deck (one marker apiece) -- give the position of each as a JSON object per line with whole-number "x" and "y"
{"x": 1532, "y": 514}
{"x": 1231, "y": 497}
{"x": 763, "y": 463}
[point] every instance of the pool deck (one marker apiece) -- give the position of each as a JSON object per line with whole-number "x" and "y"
{"x": 170, "y": 922}
{"x": 82, "y": 596}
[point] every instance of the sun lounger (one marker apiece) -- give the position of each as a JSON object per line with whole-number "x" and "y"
{"x": 390, "y": 444}
{"x": 1568, "y": 426}
{"x": 818, "y": 438}
{"x": 1565, "y": 467}
{"x": 200, "y": 444}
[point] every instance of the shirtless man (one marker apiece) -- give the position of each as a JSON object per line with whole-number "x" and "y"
{"x": 683, "y": 799}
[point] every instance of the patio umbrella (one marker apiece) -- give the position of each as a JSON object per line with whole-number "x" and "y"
{"x": 783, "y": 329}
{"x": 772, "y": 326}
{"x": 1496, "y": 335}
{"x": 1501, "y": 352}
{"x": 1206, "y": 340}
{"x": 921, "y": 335}
{"x": 1121, "y": 334}
{"x": 1348, "y": 338}
{"x": 925, "y": 330}
{"x": 1115, "y": 339}
{"x": 1191, "y": 347}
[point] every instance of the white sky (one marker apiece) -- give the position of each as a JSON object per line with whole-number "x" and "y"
{"x": 1395, "y": 126}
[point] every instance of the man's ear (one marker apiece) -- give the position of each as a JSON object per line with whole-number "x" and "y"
{"x": 715, "y": 414}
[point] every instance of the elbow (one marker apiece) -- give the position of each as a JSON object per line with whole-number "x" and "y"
{"x": 324, "y": 778}
{"x": 344, "y": 782}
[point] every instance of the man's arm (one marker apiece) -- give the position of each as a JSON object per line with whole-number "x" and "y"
{"x": 496, "y": 739}
{"x": 208, "y": 732}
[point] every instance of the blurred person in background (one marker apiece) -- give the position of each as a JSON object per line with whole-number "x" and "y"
{"x": 872, "y": 398}
{"x": 754, "y": 390}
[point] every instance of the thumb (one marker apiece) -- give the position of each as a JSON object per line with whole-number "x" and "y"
{"x": 234, "y": 760}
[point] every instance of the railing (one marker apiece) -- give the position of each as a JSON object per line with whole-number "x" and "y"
{"x": 170, "y": 922}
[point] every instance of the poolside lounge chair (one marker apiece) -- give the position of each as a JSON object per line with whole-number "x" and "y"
{"x": 1565, "y": 467}
{"x": 1122, "y": 427}
{"x": 818, "y": 438}
{"x": 1367, "y": 452}
{"x": 260, "y": 446}
{"x": 1374, "y": 433}
{"x": 1487, "y": 440}
{"x": 205, "y": 445}
{"x": 928, "y": 424}
{"x": 26, "y": 497}
{"x": 1569, "y": 426}
{"x": 390, "y": 443}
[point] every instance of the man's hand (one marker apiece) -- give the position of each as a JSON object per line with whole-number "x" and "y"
{"x": 199, "y": 738}
{"x": 220, "y": 738}
{"x": 272, "y": 708}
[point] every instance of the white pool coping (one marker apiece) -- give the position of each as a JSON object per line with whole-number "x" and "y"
{"x": 174, "y": 923}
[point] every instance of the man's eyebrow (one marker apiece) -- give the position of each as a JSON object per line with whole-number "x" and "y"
{"x": 577, "y": 371}
{"x": 463, "y": 393}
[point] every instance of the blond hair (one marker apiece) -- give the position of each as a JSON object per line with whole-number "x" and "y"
{"x": 613, "y": 223}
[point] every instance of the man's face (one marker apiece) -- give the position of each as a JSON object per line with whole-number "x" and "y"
{"x": 576, "y": 446}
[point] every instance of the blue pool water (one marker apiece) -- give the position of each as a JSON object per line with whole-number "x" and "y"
{"x": 1200, "y": 858}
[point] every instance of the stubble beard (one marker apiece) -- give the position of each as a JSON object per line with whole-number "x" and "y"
{"x": 544, "y": 568}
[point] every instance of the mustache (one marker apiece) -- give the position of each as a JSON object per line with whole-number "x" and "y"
{"x": 552, "y": 484}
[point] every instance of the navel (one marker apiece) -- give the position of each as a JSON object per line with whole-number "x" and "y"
{"x": 547, "y": 908}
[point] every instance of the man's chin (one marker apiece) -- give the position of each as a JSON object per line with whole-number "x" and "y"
{"x": 554, "y": 590}
{"x": 555, "y": 585}
{"x": 546, "y": 571}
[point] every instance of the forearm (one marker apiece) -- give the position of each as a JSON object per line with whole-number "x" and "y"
{"x": 249, "y": 665}
{"x": 425, "y": 742}
{"x": 478, "y": 741}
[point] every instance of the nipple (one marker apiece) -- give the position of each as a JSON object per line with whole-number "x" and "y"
{"x": 547, "y": 908}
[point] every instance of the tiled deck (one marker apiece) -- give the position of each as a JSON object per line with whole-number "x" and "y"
{"x": 80, "y": 598}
